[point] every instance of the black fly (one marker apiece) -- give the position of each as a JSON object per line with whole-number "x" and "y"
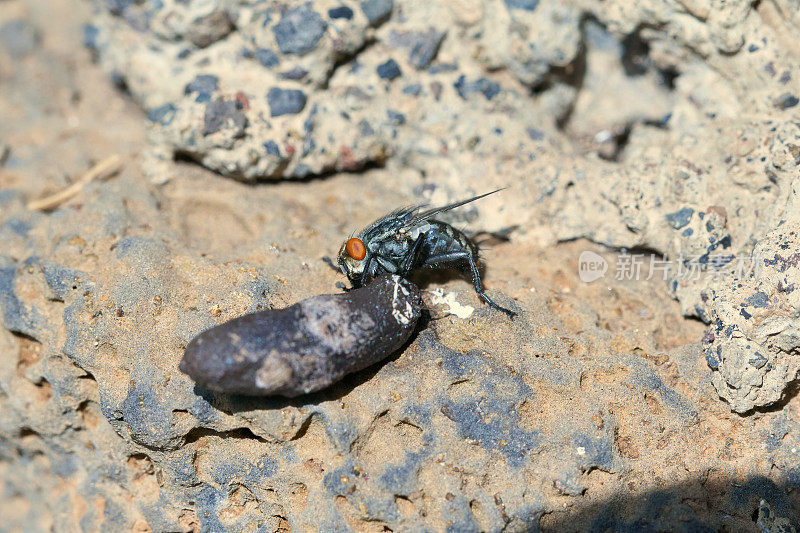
{"x": 408, "y": 239}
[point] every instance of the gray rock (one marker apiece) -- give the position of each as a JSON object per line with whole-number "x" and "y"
{"x": 204, "y": 85}
{"x": 285, "y": 101}
{"x": 208, "y": 29}
{"x": 527, "y": 5}
{"x": 299, "y": 30}
{"x": 224, "y": 114}
{"x": 424, "y": 47}
{"x": 377, "y": 11}
{"x": 389, "y": 70}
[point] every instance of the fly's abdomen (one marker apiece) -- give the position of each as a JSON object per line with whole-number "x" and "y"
{"x": 445, "y": 239}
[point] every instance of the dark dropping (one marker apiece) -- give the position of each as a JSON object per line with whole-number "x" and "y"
{"x": 308, "y": 346}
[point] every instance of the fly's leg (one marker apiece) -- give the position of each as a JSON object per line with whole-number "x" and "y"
{"x": 328, "y": 261}
{"x": 412, "y": 259}
{"x": 464, "y": 262}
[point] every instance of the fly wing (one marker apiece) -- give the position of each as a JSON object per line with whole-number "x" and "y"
{"x": 408, "y": 217}
{"x": 390, "y": 223}
{"x": 424, "y": 215}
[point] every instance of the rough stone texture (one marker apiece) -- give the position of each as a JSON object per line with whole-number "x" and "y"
{"x": 628, "y": 125}
{"x": 609, "y": 122}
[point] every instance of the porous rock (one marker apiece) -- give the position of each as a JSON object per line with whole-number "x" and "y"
{"x": 666, "y": 128}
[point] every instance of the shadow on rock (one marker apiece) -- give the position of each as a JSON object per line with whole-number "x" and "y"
{"x": 754, "y": 504}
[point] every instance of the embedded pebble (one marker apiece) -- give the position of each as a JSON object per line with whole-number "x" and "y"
{"x": 389, "y": 70}
{"x": 299, "y": 30}
{"x": 224, "y": 114}
{"x": 377, "y": 11}
{"x": 285, "y": 101}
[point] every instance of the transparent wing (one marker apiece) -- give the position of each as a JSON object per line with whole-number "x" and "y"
{"x": 407, "y": 217}
{"x": 424, "y": 215}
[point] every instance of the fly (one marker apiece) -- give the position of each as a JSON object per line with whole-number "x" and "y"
{"x": 409, "y": 239}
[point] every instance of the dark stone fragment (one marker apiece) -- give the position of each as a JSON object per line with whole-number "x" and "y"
{"x": 414, "y": 89}
{"x": 534, "y": 134}
{"x": 301, "y": 171}
{"x": 266, "y": 57}
{"x": 137, "y": 18}
{"x": 759, "y": 299}
{"x": 223, "y": 114}
{"x": 758, "y": 360}
{"x": 310, "y": 122}
{"x": 297, "y": 73}
{"x": 90, "y": 34}
{"x": 365, "y": 128}
{"x": 443, "y": 67}
{"x": 308, "y": 346}
{"x": 285, "y": 101}
{"x": 436, "y": 89}
{"x": 462, "y": 87}
{"x": 725, "y": 242}
{"x": 204, "y": 85}
{"x": 308, "y": 128}
{"x": 377, "y": 11}
{"x": 389, "y": 70}
{"x": 425, "y": 47}
{"x": 527, "y": 5}
{"x": 208, "y": 29}
{"x": 272, "y": 148}
{"x": 786, "y": 101}
{"x": 341, "y": 12}
{"x": 162, "y": 115}
{"x": 395, "y": 117}
{"x": 116, "y": 7}
{"x": 680, "y": 218}
{"x": 18, "y": 37}
{"x": 712, "y": 361}
{"x": 488, "y": 88}
{"x": 299, "y": 30}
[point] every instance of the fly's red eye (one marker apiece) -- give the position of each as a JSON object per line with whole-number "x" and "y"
{"x": 355, "y": 249}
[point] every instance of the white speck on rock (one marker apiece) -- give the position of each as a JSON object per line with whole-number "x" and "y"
{"x": 453, "y": 307}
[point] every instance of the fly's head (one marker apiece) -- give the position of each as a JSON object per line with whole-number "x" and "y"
{"x": 352, "y": 260}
